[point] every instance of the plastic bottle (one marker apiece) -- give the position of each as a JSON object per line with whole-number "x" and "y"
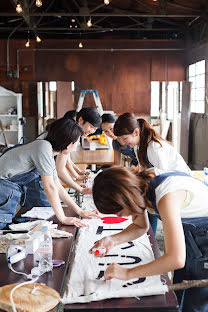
{"x": 206, "y": 176}
{"x": 45, "y": 252}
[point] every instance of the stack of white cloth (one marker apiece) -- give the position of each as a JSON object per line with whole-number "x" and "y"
{"x": 35, "y": 226}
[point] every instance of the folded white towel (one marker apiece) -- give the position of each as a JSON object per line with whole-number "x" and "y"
{"x": 39, "y": 213}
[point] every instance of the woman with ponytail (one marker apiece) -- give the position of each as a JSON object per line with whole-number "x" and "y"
{"x": 151, "y": 149}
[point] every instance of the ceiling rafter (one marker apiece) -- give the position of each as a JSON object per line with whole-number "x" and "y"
{"x": 146, "y": 6}
{"x": 100, "y": 14}
{"x": 171, "y": 3}
{"x": 92, "y": 28}
{"x": 120, "y": 19}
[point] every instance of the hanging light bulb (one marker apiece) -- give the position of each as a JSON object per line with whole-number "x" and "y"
{"x": 38, "y": 3}
{"x": 89, "y": 23}
{"x": 38, "y": 39}
{"x": 18, "y": 8}
{"x": 27, "y": 44}
{"x": 106, "y": 2}
{"x": 80, "y": 45}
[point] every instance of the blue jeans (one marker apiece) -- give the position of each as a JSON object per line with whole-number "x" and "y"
{"x": 10, "y": 195}
{"x": 35, "y": 195}
{"x": 196, "y": 267}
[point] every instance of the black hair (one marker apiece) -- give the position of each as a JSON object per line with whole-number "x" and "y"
{"x": 62, "y": 132}
{"x": 71, "y": 114}
{"x": 108, "y": 118}
{"x": 90, "y": 115}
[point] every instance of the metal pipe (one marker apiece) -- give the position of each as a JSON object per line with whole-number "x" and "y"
{"x": 13, "y": 31}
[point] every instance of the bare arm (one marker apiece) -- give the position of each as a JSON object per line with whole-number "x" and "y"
{"x": 54, "y": 191}
{"x": 62, "y": 165}
{"x": 175, "y": 251}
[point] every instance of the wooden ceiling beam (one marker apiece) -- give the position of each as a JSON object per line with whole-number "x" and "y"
{"x": 91, "y": 29}
{"x": 171, "y": 3}
{"x": 7, "y": 14}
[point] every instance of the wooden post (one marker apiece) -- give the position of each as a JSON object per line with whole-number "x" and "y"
{"x": 185, "y": 120}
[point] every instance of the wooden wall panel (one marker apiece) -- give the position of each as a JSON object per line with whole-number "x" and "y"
{"x": 121, "y": 77}
{"x": 64, "y": 98}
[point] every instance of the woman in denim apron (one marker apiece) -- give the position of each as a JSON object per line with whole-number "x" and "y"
{"x": 150, "y": 148}
{"x": 24, "y": 163}
{"x": 108, "y": 121}
{"x": 180, "y": 201}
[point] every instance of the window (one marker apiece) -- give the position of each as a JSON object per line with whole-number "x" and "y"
{"x": 197, "y": 77}
{"x": 170, "y": 95}
{"x": 155, "y": 99}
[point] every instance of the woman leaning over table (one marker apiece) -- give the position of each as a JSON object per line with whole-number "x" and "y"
{"x": 21, "y": 164}
{"x": 107, "y": 124}
{"x": 170, "y": 196}
{"x": 151, "y": 149}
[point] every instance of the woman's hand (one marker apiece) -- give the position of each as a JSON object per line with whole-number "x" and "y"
{"x": 81, "y": 177}
{"x": 86, "y": 190}
{"x": 73, "y": 221}
{"x": 116, "y": 271}
{"x": 105, "y": 243}
{"x": 89, "y": 214}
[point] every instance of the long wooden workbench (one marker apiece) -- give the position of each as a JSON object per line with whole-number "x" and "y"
{"x": 63, "y": 249}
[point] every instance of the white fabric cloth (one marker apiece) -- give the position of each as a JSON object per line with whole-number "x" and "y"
{"x": 84, "y": 285}
{"x": 165, "y": 157}
{"x": 36, "y": 226}
{"x": 197, "y": 194}
{"x": 39, "y": 213}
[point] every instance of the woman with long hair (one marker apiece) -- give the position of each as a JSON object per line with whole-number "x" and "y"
{"x": 151, "y": 149}
{"x": 173, "y": 197}
{"x": 24, "y": 163}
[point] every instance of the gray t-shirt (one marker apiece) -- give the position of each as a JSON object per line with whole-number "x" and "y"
{"x": 37, "y": 154}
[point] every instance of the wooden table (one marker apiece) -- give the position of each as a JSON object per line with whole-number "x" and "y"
{"x": 63, "y": 249}
{"x": 97, "y": 157}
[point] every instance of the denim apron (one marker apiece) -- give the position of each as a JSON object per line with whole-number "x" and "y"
{"x": 35, "y": 195}
{"x": 127, "y": 151}
{"x": 196, "y": 266}
{"x": 152, "y": 218}
{"x": 13, "y": 190}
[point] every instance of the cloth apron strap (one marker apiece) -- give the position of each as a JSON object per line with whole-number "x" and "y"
{"x": 157, "y": 181}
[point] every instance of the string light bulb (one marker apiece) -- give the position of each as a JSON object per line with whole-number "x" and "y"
{"x": 38, "y": 3}
{"x": 18, "y": 8}
{"x": 89, "y": 23}
{"x": 27, "y": 44}
{"x": 106, "y": 2}
{"x": 80, "y": 45}
{"x": 38, "y": 39}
